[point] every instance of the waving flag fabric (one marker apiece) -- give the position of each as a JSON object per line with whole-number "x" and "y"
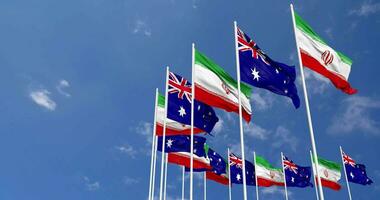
{"x": 296, "y": 176}
{"x": 356, "y": 173}
{"x": 267, "y": 175}
{"x": 178, "y": 149}
{"x": 257, "y": 69}
{"x": 172, "y": 127}
{"x": 321, "y": 58}
{"x": 330, "y": 173}
{"x": 215, "y": 87}
{"x": 179, "y": 105}
{"x": 218, "y": 171}
{"x": 236, "y": 169}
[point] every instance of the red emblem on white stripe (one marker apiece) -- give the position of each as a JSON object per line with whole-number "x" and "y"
{"x": 327, "y": 57}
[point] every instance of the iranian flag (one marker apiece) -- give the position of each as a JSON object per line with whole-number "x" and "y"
{"x": 329, "y": 172}
{"x": 321, "y": 58}
{"x": 266, "y": 174}
{"x": 172, "y": 127}
{"x": 213, "y": 86}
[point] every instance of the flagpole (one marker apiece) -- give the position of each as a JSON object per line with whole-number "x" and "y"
{"x": 183, "y": 183}
{"x": 315, "y": 182}
{"x": 154, "y": 166}
{"x": 240, "y": 114}
{"x": 257, "y": 183}
{"x": 192, "y": 121}
{"x": 153, "y": 140}
{"x": 283, "y": 171}
{"x": 164, "y": 134}
{"x": 345, "y": 173}
{"x": 307, "y": 107}
{"x": 204, "y": 186}
{"x": 229, "y": 175}
{"x": 166, "y": 174}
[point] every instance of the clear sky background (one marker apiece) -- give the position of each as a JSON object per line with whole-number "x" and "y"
{"x": 77, "y": 88}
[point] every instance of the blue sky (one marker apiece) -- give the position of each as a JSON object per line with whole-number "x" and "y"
{"x": 78, "y": 80}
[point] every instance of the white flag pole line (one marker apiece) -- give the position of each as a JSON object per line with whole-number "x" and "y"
{"x": 164, "y": 134}
{"x": 283, "y": 171}
{"x": 314, "y": 175}
{"x": 345, "y": 173}
{"x": 166, "y": 174}
{"x": 154, "y": 165}
{"x": 204, "y": 186}
{"x": 153, "y": 151}
{"x": 229, "y": 175}
{"x": 192, "y": 120}
{"x": 257, "y": 183}
{"x": 310, "y": 123}
{"x": 240, "y": 114}
{"x": 183, "y": 183}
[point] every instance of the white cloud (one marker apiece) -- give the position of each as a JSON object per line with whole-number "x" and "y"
{"x": 366, "y": 8}
{"x": 127, "y": 149}
{"x": 256, "y": 131}
{"x": 328, "y": 32}
{"x": 283, "y": 137}
{"x": 61, "y": 86}
{"x": 315, "y": 82}
{"x": 262, "y": 100}
{"x": 140, "y": 27}
{"x": 355, "y": 114}
{"x": 274, "y": 190}
{"x": 145, "y": 129}
{"x": 91, "y": 186}
{"x": 218, "y": 127}
{"x": 41, "y": 97}
{"x": 130, "y": 180}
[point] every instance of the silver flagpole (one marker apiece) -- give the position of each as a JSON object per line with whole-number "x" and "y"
{"x": 192, "y": 121}
{"x": 257, "y": 183}
{"x": 315, "y": 182}
{"x": 283, "y": 171}
{"x": 166, "y": 174}
{"x": 183, "y": 183}
{"x": 154, "y": 167}
{"x": 240, "y": 114}
{"x": 345, "y": 173}
{"x": 153, "y": 140}
{"x": 313, "y": 145}
{"x": 204, "y": 186}
{"x": 229, "y": 175}
{"x": 164, "y": 134}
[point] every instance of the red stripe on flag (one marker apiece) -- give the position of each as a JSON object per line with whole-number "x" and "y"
{"x": 329, "y": 184}
{"x": 337, "y": 80}
{"x": 170, "y": 131}
{"x": 217, "y": 178}
{"x": 267, "y": 183}
{"x": 184, "y": 160}
{"x": 215, "y": 100}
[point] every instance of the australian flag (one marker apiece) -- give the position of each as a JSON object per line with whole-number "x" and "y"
{"x": 181, "y": 143}
{"x": 257, "y": 69}
{"x": 236, "y": 170}
{"x": 356, "y": 173}
{"x": 179, "y": 105}
{"x": 296, "y": 176}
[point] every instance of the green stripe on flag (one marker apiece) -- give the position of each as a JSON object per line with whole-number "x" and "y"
{"x": 161, "y": 100}
{"x": 261, "y": 161}
{"x": 344, "y": 58}
{"x": 304, "y": 26}
{"x": 210, "y": 65}
{"x": 329, "y": 164}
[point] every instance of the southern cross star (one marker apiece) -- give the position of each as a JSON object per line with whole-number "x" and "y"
{"x": 238, "y": 177}
{"x": 182, "y": 111}
{"x": 169, "y": 143}
{"x": 255, "y": 74}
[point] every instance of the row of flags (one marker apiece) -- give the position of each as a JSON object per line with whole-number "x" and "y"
{"x": 215, "y": 88}
{"x": 220, "y": 170}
